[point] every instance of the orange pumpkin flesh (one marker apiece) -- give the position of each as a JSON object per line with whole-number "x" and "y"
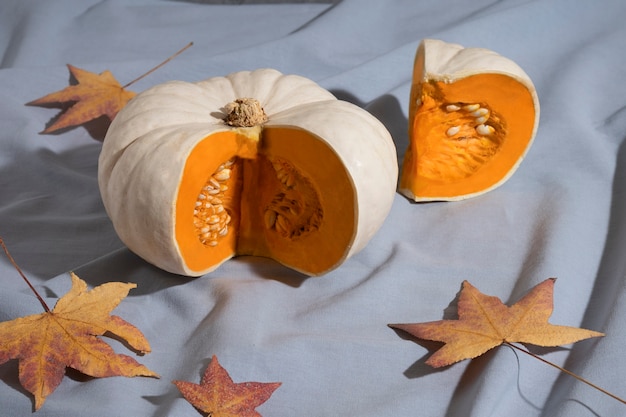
{"x": 466, "y": 135}
{"x": 244, "y": 197}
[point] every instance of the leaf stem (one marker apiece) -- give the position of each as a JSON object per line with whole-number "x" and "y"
{"x": 41, "y": 300}
{"x": 160, "y": 65}
{"x": 580, "y": 378}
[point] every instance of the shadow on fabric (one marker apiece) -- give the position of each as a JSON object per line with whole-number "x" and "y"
{"x": 51, "y": 214}
{"x": 388, "y": 110}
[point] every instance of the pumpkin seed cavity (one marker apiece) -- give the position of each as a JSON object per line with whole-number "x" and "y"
{"x": 295, "y": 210}
{"x": 472, "y": 135}
{"x": 210, "y": 217}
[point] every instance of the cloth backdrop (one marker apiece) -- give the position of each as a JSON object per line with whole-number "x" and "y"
{"x": 326, "y": 338}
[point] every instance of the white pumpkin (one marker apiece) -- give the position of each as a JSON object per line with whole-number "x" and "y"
{"x": 299, "y": 176}
{"x": 473, "y": 116}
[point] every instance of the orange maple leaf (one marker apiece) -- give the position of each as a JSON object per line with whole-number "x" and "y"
{"x": 219, "y": 396}
{"x": 95, "y": 95}
{"x": 485, "y": 322}
{"x": 45, "y": 344}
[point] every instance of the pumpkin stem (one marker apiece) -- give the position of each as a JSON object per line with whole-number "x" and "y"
{"x": 245, "y": 112}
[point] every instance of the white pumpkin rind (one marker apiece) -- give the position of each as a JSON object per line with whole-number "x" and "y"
{"x": 161, "y": 126}
{"x": 440, "y": 61}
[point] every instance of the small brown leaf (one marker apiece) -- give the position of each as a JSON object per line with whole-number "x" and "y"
{"x": 45, "y": 344}
{"x": 219, "y": 396}
{"x": 485, "y": 322}
{"x": 93, "y": 96}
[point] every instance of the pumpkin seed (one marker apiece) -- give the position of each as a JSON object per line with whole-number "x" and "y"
{"x": 222, "y": 175}
{"x": 270, "y": 218}
{"x": 453, "y": 130}
{"x": 484, "y": 129}
{"x": 480, "y": 112}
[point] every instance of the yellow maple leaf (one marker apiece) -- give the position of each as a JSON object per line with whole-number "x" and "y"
{"x": 95, "y": 95}
{"x": 45, "y": 344}
{"x": 485, "y": 322}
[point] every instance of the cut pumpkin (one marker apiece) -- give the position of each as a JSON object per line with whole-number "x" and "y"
{"x": 255, "y": 163}
{"x": 473, "y": 115}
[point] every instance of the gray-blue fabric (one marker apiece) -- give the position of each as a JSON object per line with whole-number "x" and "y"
{"x": 326, "y": 338}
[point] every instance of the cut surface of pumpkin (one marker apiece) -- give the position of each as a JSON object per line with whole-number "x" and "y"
{"x": 263, "y": 205}
{"x": 473, "y": 115}
{"x": 208, "y": 182}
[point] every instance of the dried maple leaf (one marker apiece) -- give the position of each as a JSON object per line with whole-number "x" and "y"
{"x": 45, "y": 344}
{"x": 95, "y": 95}
{"x": 485, "y": 322}
{"x": 219, "y": 396}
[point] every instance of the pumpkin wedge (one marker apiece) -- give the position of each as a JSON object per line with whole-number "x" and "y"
{"x": 254, "y": 163}
{"x": 473, "y": 115}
